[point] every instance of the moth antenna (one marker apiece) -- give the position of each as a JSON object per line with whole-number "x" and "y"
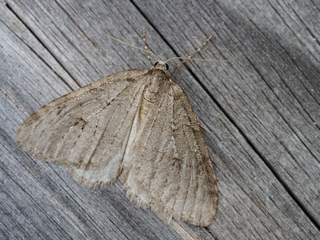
{"x": 197, "y": 59}
{"x": 133, "y": 46}
{"x": 188, "y": 58}
{"x": 146, "y": 47}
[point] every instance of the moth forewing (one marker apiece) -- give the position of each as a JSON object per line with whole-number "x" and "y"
{"x": 136, "y": 124}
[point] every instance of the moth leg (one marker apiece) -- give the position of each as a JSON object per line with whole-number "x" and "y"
{"x": 203, "y": 127}
{"x": 146, "y": 47}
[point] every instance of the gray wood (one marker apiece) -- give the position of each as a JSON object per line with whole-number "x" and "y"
{"x": 261, "y": 112}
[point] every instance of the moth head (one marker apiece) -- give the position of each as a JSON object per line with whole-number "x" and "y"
{"x": 161, "y": 65}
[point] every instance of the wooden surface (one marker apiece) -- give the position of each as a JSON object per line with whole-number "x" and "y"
{"x": 260, "y": 109}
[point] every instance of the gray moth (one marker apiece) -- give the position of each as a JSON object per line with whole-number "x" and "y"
{"x": 135, "y": 124}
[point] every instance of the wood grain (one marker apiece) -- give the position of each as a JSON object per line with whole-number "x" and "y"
{"x": 261, "y": 112}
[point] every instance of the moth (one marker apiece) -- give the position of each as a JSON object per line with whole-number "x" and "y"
{"x": 135, "y": 124}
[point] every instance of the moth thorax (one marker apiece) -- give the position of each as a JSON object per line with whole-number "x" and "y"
{"x": 156, "y": 79}
{"x": 159, "y": 74}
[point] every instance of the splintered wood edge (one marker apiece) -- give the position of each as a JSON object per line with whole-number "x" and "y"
{"x": 181, "y": 227}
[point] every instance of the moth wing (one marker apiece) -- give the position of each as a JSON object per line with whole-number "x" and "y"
{"x": 168, "y": 167}
{"x": 86, "y": 130}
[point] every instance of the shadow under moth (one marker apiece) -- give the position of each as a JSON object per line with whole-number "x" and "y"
{"x": 135, "y": 124}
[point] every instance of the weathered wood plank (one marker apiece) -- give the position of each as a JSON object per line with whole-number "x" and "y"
{"x": 253, "y": 202}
